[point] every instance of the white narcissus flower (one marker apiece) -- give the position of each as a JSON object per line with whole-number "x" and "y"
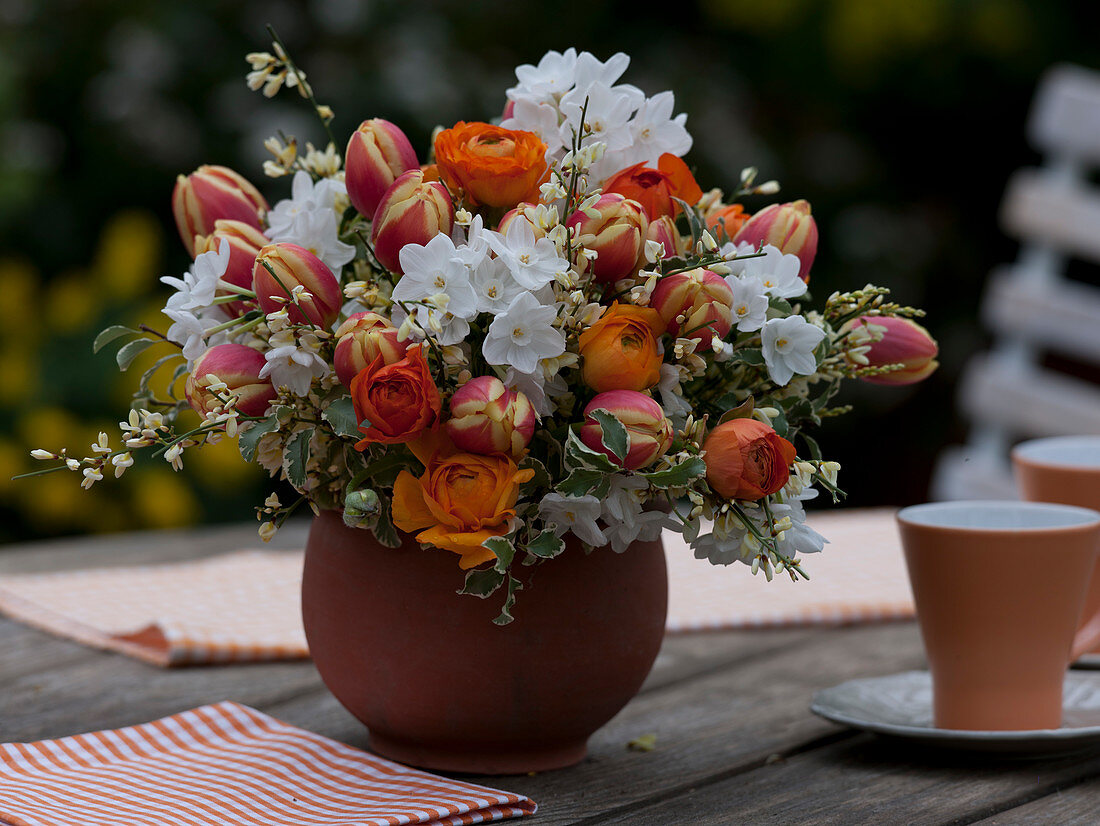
{"x": 622, "y": 502}
{"x": 606, "y": 112}
{"x": 749, "y": 308}
{"x": 533, "y": 263}
{"x": 538, "y": 117}
{"x": 655, "y": 131}
{"x": 316, "y": 231}
{"x": 552, "y": 77}
{"x": 191, "y": 330}
{"x": 305, "y": 196}
{"x": 293, "y": 362}
{"x": 721, "y": 550}
{"x": 672, "y": 399}
{"x": 196, "y": 290}
{"x": 644, "y": 526}
{"x": 573, "y": 513}
{"x": 789, "y": 347}
{"x": 776, "y": 271}
{"x": 494, "y": 286}
{"x": 435, "y": 269}
{"x": 523, "y": 335}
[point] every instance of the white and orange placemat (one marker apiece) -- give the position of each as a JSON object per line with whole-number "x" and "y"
{"x": 859, "y": 577}
{"x": 244, "y": 606}
{"x": 234, "y": 766}
{"x": 235, "y": 607}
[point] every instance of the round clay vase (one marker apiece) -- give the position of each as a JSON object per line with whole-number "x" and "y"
{"x": 440, "y": 686}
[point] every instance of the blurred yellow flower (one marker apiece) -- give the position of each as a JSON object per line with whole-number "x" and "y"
{"x": 128, "y": 260}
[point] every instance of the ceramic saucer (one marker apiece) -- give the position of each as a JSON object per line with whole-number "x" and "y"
{"x": 900, "y": 705}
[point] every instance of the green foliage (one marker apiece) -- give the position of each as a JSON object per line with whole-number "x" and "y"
{"x": 112, "y": 333}
{"x": 131, "y": 350}
{"x": 296, "y": 456}
{"x": 341, "y": 415}
{"x": 677, "y": 476}
{"x": 612, "y": 433}
{"x": 546, "y": 545}
{"x": 248, "y": 439}
{"x": 481, "y": 582}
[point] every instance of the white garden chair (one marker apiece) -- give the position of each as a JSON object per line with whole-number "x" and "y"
{"x": 1030, "y": 306}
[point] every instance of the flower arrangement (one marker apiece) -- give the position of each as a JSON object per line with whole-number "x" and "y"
{"x": 547, "y": 329}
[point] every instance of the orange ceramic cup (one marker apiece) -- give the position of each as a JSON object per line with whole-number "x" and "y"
{"x": 1065, "y": 469}
{"x": 999, "y": 587}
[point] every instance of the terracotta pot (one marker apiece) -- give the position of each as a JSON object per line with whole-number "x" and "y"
{"x": 440, "y": 686}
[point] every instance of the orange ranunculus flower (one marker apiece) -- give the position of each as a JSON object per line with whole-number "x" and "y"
{"x": 729, "y": 218}
{"x": 461, "y": 499}
{"x": 620, "y": 350}
{"x": 399, "y": 401}
{"x": 747, "y": 459}
{"x": 496, "y": 167}
{"x": 654, "y": 189}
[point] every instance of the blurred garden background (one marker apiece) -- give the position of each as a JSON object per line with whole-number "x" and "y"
{"x": 900, "y": 120}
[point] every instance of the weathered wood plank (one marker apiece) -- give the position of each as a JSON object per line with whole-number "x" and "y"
{"x": 711, "y": 725}
{"x": 867, "y": 779}
{"x": 1076, "y": 806}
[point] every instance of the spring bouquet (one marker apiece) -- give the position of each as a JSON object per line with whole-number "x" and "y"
{"x": 546, "y": 330}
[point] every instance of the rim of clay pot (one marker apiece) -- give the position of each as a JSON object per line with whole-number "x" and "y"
{"x": 1076, "y": 452}
{"x": 998, "y": 517}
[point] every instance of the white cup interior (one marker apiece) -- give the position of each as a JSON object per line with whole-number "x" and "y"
{"x": 1066, "y": 451}
{"x": 998, "y": 515}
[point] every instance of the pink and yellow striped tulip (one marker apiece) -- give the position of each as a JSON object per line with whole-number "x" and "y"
{"x": 363, "y": 338}
{"x": 293, "y": 265}
{"x": 617, "y": 234}
{"x": 905, "y": 342}
{"x": 377, "y": 153}
{"x": 487, "y": 417}
{"x": 789, "y": 227}
{"x": 702, "y": 298}
{"x": 238, "y": 367}
{"x": 412, "y": 211}
{"x": 211, "y": 193}
{"x": 648, "y": 430}
{"x": 245, "y": 243}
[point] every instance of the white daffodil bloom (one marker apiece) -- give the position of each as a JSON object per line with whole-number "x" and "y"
{"x": 776, "y": 271}
{"x": 305, "y": 196}
{"x": 523, "y": 335}
{"x": 622, "y": 502}
{"x": 550, "y": 79}
{"x": 316, "y": 230}
{"x": 720, "y": 550}
{"x": 539, "y": 117}
{"x": 674, "y": 404}
{"x": 471, "y": 245}
{"x": 293, "y": 362}
{"x": 494, "y": 286}
{"x": 191, "y": 330}
{"x": 789, "y": 347}
{"x": 533, "y": 263}
{"x": 196, "y": 290}
{"x": 645, "y": 526}
{"x": 435, "y": 269}
{"x": 749, "y": 308}
{"x": 655, "y": 131}
{"x": 606, "y": 111}
{"x": 573, "y": 513}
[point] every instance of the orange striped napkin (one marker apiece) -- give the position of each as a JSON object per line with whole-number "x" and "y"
{"x": 859, "y": 577}
{"x": 235, "y": 607}
{"x": 229, "y": 765}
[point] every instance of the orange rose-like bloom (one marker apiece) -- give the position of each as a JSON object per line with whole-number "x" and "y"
{"x": 496, "y": 167}
{"x": 461, "y": 500}
{"x": 620, "y": 350}
{"x": 747, "y": 459}
{"x": 729, "y": 219}
{"x": 654, "y": 189}
{"x": 399, "y": 401}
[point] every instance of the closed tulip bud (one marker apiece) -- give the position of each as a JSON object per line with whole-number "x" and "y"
{"x": 209, "y": 194}
{"x": 519, "y": 213}
{"x": 617, "y": 234}
{"x": 363, "y": 338}
{"x": 700, "y": 297}
{"x": 412, "y": 211}
{"x": 236, "y": 366}
{"x": 245, "y": 243}
{"x": 789, "y": 227}
{"x": 377, "y": 153}
{"x": 648, "y": 430}
{"x": 663, "y": 230}
{"x": 905, "y": 342}
{"x": 292, "y": 265}
{"x": 487, "y": 417}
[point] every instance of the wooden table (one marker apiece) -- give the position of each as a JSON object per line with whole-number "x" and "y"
{"x": 735, "y": 740}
